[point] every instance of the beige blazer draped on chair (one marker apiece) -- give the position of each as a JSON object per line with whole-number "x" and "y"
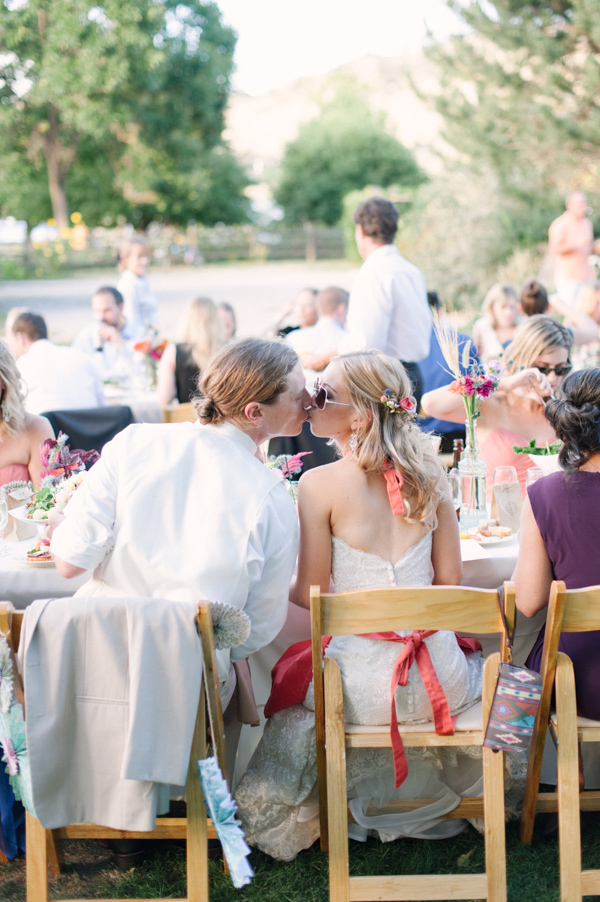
{"x": 112, "y": 687}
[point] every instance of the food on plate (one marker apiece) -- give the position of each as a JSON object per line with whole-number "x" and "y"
{"x": 41, "y": 551}
{"x": 53, "y": 497}
{"x": 487, "y": 529}
{"x": 538, "y": 450}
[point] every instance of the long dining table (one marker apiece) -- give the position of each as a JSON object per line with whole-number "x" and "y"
{"x": 483, "y": 567}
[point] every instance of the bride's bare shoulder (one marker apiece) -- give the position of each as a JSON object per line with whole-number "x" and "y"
{"x": 328, "y": 476}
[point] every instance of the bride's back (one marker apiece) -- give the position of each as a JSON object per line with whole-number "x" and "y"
{"x": 361, "y": 514}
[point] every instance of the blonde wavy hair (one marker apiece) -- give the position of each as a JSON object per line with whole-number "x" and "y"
{"x": 497, "y": 292}
{"x": 203, "y": 330}
{"x": 384, "y": 436}
{"x": 11, "y": 395}
{"x": 538, "y": 334}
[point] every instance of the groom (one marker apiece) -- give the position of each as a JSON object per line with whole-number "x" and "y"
{"x": 188, "y": 511}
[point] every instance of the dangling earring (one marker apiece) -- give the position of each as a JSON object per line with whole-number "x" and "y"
{"x": 353, "y": 443}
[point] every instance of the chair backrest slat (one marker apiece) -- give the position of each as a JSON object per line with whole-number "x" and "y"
{"x": 582, "y": 610}
{"x": 438, "y": 607}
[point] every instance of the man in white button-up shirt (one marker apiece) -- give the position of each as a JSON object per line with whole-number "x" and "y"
{"x": 55, "y": 377}
{"x": 388, "y": 303}
{"x": 188, "y": 511}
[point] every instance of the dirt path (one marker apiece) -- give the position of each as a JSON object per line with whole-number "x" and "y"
{"x": 256, "y": 291}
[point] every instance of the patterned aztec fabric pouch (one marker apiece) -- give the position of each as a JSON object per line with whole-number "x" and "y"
{"x": 514, "y": 707}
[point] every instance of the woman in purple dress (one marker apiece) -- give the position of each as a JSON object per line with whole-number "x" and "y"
{"x": 560, "y": 525}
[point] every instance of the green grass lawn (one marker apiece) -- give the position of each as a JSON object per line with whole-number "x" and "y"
{"x": 532, "y": 872}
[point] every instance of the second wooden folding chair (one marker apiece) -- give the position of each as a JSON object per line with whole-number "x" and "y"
{"x": 576, "y": 610}
{"x": 427, "y": 608}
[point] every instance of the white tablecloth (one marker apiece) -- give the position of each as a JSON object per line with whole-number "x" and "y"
{"x": 144, "y": 404}
{"x": 22, "y": 584}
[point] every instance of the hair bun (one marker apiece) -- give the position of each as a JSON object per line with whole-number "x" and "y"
{"x": 207, "y": 411}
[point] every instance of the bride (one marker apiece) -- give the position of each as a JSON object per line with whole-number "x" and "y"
{"x": 380, "y": 516}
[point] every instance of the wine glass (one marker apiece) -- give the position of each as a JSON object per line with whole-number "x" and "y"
{"x": 532, "y": 475}
{"x": 3, "y": 515}
{"x": 455, "y": 489}
{"x": 507, "y": 493}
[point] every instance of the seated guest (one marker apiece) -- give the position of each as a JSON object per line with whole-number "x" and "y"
{"x": 11, "y": 316}
{"x": 188, "y": 511}
{"x": 56, "y": 378}
{"x": 435, "y": 373}
{"x": 21, "y": 433}
{"x": 327, "y": 332}
{"x": 107, "y": 340}
{"x": 496, "y": 328}
{"x": 559, "y": 528}
{"x": 332, "y": 304}
{"x": 538, "y": 361}
{"x": 228, "y": 320}
{"x": 380, "y": 516}
{"x": 302, "y": 312}
{"x": 180, "y": 364}
{"x": 533, "y": 299}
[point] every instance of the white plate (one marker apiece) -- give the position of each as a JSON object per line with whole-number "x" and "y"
{"x": 40, "y": 564}
{"x": 20, "y": 513}
{"x": 486, "y": 542}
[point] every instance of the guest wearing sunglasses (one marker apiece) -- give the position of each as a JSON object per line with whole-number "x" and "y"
{"x": 380, "y": 516}
{"x": 537, "y": 361}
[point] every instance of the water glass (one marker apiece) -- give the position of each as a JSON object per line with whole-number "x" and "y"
{"x": 3, "y": 517}
{"x": 507, "y": 493}
{"x": 532, "y": 475}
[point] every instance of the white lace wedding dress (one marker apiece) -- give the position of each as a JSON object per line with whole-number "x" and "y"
{"x": 277, "y": 797}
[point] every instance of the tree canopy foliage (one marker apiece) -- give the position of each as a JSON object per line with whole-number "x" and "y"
{"x": 345, "y": 148}
{"x": 116, "y": 109}
{"x": 520, "y": 94}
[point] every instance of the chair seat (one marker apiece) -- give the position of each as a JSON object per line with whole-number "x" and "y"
{"x": 469, "y": 720}
{"x": 583, "y": 722}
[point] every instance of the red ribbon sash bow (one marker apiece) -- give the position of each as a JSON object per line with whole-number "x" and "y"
{"x": 292, "y": 674}
{"x": 394, "y": 482}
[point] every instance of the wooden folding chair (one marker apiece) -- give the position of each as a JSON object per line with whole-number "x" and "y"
{"x": 183, "y": 413}
{"x": 431, "y": 607}
{"x": 44, "y": 847}
{"x": 577, "y": 610}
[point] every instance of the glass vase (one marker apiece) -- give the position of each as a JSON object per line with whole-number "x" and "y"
{"x": 472, "y": 469}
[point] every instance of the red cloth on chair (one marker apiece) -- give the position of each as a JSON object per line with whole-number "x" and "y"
{"x": 292, "y": 674}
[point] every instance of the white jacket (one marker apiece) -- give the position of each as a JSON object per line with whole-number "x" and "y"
{"x": 111, "y": 694}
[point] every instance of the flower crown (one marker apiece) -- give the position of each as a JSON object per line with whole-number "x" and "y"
{"x": 406, "y": 407}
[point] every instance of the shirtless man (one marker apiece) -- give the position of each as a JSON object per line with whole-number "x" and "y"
{"x": 571, "y": 240}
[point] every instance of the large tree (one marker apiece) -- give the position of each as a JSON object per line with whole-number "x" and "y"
{"x": 124, "y": 100}
{"x": 520, "y": 93}
{"x": 345, "y": 148}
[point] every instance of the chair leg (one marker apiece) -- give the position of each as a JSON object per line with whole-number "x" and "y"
{"x": 494, "y": 825}
{"x": 493, "y": 794}
{"x": 569, "y": 834}
{"x": 339, "y": 873}
{"x": 36, "y": 860}
{"x": 55, "y": 851}
{"x": 197, "y": 828}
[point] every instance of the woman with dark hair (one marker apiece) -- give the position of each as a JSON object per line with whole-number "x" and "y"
{"x": 560, "y": 524}
{"x": 534, "y": 298}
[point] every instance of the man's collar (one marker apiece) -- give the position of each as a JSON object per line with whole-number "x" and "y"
{"x": 237, "y": 435}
